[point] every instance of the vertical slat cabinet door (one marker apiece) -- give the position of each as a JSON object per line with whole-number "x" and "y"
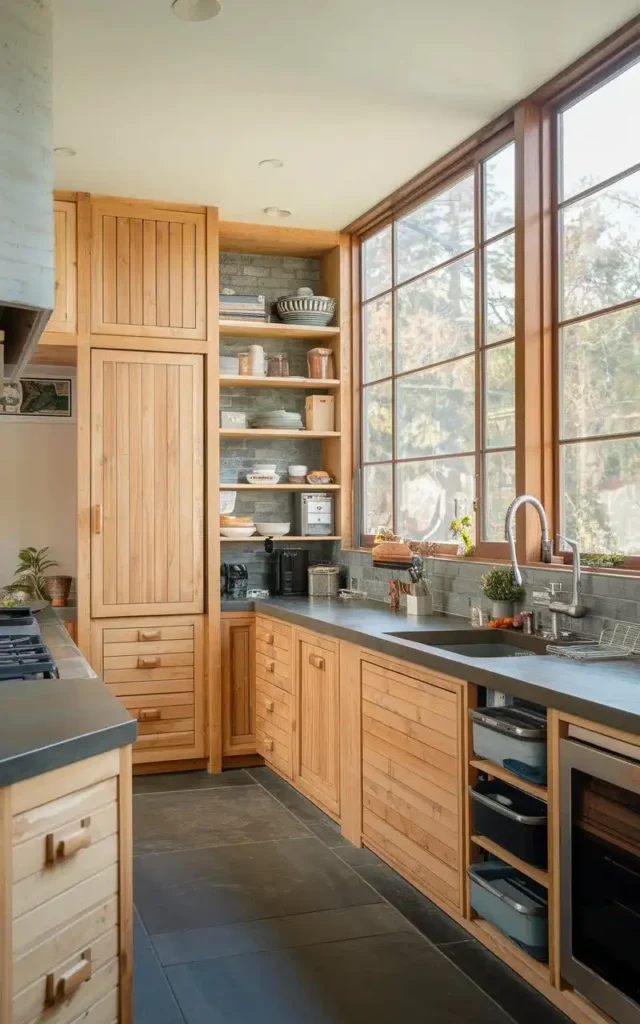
{"x": 147, "y": 467}
{"x": 238, "y": 685}
{"x": 63, "y": 319}
{"x": 317, "y": 751}
{"x": 148, "y": 271}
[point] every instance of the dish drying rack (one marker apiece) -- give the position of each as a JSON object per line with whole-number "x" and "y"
{"x": 619, "y": 641}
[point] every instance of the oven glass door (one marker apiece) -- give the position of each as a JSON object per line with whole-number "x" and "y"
{"x": 600, "y": 825}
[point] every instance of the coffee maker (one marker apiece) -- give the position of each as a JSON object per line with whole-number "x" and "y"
{"x": 288, "y": 572}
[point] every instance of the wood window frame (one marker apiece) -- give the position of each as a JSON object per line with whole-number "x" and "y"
{"x": 532, "y": 123}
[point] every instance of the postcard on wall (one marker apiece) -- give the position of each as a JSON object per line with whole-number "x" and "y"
{"x": 41, "y": 397}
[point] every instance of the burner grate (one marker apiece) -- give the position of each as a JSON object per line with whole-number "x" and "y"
{"x": 25, "y": 657}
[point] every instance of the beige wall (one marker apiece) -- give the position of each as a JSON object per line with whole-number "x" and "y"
{"x": 37, "y": 492}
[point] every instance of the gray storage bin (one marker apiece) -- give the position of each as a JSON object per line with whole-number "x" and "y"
{"x": 514, "y": 738}
{"x": 517, "y": 906}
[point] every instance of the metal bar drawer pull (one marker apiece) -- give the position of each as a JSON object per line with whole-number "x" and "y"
{"x": 59, "y": 989}
{"x": 148, "y": 634}
{"x": 148, "y": 662}
{"x": 60, "y": 845}
{"x": 316, "y": 661}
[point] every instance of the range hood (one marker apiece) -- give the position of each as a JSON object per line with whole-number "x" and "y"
{"x": 26, "y": 179}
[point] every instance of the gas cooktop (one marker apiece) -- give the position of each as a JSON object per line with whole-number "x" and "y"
{"x": 23, "y": 654}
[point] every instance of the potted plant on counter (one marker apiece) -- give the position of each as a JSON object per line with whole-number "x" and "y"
{"x": 502, "y": 590}
{"x": 30, "y": 582}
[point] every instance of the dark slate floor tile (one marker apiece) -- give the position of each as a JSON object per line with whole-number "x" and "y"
{"x": 219, "y": 885}
{"x": 153, "y": 1001}
{"x": 324, "y": 827}
{"x": 165, "y": 822}
{"x": 515, "y": 996}
{"x": 434, "y": 924}
{"x": 377, "y": 980}
{"x": 278, "y": 933}
{"x": 174, "y": 781}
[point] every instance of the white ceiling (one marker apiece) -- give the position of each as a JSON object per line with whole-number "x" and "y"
{"x": 355, "y": 96}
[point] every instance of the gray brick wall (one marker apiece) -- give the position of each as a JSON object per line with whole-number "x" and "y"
{"x": 456, "y": 585}
{"x": 272, "y": 276}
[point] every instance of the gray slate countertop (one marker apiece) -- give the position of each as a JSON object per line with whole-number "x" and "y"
{"x": 48, "y": 723}
{"x": 607, "y": 693}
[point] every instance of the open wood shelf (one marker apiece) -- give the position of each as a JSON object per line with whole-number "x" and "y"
{"x": 265, "y": 432}
{"x": 257, "y": 539}
{"x": 279, "y": 487}
{"x": 262, "y": 329}
{"x": 537, "y": 874}
{"x": 507, "y": 950}
{"x": 505, "y": 775}
{"x": 237, "y": 381}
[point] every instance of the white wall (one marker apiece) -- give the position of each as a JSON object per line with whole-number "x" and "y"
{"x": 37, "y": 492}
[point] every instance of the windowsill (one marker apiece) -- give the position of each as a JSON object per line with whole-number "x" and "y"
{"x": 556, "y": 564}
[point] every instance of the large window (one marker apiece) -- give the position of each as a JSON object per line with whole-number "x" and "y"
{"x": 438, "y": 356}
{"x": 598, "y": 315}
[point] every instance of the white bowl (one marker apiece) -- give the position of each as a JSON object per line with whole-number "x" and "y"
{"x": 273, "y": 529}
{"x": 264, "y": 467}
{"x": 237, "y": 532}
{"x": 298, "y": 470}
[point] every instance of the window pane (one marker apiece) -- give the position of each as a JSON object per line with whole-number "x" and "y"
{"x": 600, "y": 494}
{"x": 600, "y": 367}
{"x": 376, "y": 263}
{"x": 499, "y": 492}
{"x": 600, "y": 134}
{"x": 376, "y": 339}
{"x": 499, "y": 396}
{"x": 499, "y": 192}
{"x": 377, "y": 498}
{"x": 429, "y": 494}
{"x": 435, "y": 411}
{"x": 440, "y": 229}
{"x": 500, "y": 290}
{"x": 435, "y": 316}
{"x": 600, "y": 238}
{"x": 376, "y": 422}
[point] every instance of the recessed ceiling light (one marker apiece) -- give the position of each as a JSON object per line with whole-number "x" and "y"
{"x": 65, "y": 151}
{"x": 276, "y": 211}
{"x": 196, "y": 10}
{"x": 271, "y": 162}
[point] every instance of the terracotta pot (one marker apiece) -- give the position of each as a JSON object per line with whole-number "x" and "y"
{"x": 58, "y": 588}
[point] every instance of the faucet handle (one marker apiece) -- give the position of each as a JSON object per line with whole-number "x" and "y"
{"x": 554, "y": 588}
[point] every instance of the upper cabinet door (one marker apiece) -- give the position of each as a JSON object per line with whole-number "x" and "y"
{"x": 148, "y": 271}
{"x": 147, "y": 468}
{"x": 63, "y": 320}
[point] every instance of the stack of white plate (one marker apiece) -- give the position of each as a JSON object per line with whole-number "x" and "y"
{"x": 278, "y": 419}
{"x": 314, "y": 310}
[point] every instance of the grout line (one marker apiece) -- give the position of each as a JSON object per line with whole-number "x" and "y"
{"x": 138, "y": 916}
{"x": 227, "y": 846}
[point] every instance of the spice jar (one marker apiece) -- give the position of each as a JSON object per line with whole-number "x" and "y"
{"x": 244, "y": 364}
{"x": 320, "y": 364}
{"x": 278, "y": 365}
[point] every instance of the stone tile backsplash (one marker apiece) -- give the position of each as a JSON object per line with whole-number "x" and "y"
{"x": 456, "y": 586}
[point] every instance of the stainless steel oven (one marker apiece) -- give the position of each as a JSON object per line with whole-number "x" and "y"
{"x": 600, "y": 872}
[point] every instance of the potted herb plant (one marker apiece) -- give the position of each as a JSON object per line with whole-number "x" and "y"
{"x": 30, "y": 580}
{"x": 502, "y": 590}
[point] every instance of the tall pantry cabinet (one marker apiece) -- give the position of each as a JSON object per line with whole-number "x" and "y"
{"x": 146, "y": 340}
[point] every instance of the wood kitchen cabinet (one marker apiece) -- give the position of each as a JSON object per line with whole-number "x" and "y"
{"x": 66, "y": 906}
{"x": 63, "y": 319}
{"x": 155, "y": 666}
{"x": 147, "y": 479}
{"x": 238, "y": 684}
{"x": 148, "y": 270}
{"x": 275, "y": 720}
{"x": 316, "y": 749}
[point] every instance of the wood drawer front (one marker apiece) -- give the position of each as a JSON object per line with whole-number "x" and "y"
{"x": 271, "y": 636}
{"x": 271, "y": 671}
{"x": 146, "y": 660}
{"x": 35, "y": 1002}
{"x": 283, "y": 630}
{"x": 145, "y": 686}
{"x": 141, "y": 675}
{"x": 51, "y": 881}
{"x": 274, "y": 744}
{"x": 149, "y": 648}
{"x": 410, "y": 787}
{"x": 184, "y": 739}
{"x": 146, "y": 634}
{"x": 269, "y": 693}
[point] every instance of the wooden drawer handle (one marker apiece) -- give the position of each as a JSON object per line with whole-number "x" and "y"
{"x": 97, "y": 518}
{"x": 269, "y": 705}
{"x": 60, "y": 845}
{"x": 316, "y": 661}
{"x": 270, "y": 666}
{"x": 59, "y": 989}
{"x": 149, "y": 714}
{"x": 268, "y": 745}
{"x": 269, "y": 638}
{"x": 148, "y": 662}
{"x": 148, "y": 634}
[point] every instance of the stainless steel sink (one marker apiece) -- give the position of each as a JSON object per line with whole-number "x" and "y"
{"x": 477, "y": 643}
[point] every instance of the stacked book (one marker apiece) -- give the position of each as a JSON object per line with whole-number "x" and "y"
{"x": 243, "y": 307}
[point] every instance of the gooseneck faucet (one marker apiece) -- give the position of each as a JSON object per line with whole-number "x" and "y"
{"x": 574, "y": 609}
{"x": 509, "y": 523}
